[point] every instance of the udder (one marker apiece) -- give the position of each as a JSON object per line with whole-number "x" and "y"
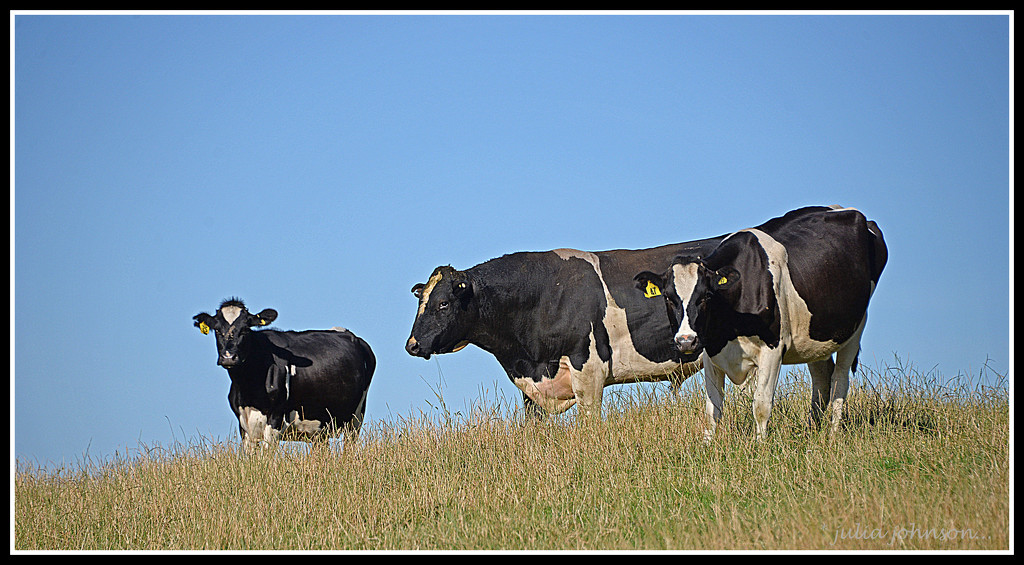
{"x": 554, "y": 394}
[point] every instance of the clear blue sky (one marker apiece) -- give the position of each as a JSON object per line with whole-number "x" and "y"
{"x": 321, "y": 165}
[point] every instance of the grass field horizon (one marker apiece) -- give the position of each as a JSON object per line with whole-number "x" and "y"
{"x": 922, "y": 462}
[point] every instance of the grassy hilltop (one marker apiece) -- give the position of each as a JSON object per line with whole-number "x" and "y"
{"x": 919, "y": 464}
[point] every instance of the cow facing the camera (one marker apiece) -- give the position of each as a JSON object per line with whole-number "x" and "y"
{"x": 792, "y": 290}
{"x": 289, "y": 385}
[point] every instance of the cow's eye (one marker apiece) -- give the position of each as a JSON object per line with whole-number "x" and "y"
{"x": 443, "y": 305}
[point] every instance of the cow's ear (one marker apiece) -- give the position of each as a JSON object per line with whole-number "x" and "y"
{"x": 725, "y": 278}
{"x": 263, "y": 318}
{"x": 203, "y": 321}
{"x": 417, "y": 289}
{"x": 651, "y": 284}
{"x": 462, "y": 288}
{"x": 750, "y": 295}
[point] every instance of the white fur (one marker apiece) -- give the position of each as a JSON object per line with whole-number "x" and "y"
{"x": 684, "y": 277}
{"x": 230, "y": 313}
{"x": 427, "y": 289}
{"x": 627, "y": 364}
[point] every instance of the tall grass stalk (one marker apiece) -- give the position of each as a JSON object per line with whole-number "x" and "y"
{"x": 918, "y": 464}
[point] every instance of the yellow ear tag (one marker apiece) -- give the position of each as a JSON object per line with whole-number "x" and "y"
{"x": 722, "y": 281}
{"x": 263, "y": 322}
{"x": 204, "y": 328}
{"x": 652, "y": 290}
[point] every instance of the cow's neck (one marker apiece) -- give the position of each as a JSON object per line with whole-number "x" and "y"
{"x": 502, "y": 309}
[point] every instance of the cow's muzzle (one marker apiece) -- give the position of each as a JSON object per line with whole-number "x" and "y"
{"x": 228, "y": 360}
{"x": 687, "y": 343}
{"x": 413, "y": 348}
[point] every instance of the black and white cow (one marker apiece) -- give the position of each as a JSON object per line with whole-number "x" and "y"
{"x": 792, "y": 290}
{"x": 563, "y": 324}
{"x": 289, "y": 385}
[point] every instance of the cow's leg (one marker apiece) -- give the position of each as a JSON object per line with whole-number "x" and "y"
{"x": 846, "y": 356}
{"x": 768, "y": 366}
{"x": 714, "y": 392}
{"x": 271, "y": 436}
{"x": 351, "y": 428}
{"x": 677, "y": 377}
{"x": 821, "y": 384}
{"x": 532, "y": 410}
{"x": 588, "y": 387}
{"x": 588, "y": 382}
{"x": 253, "y": 424}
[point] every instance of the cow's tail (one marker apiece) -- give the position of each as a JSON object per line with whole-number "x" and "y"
{"x": 369, "y": 360}
{"x": 877, "y": 252}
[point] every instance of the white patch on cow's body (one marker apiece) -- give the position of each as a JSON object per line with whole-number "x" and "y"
{"x": 294, "y": 425}
{"x": 256, "y": 430}
{"x": 254, "y": 426}
{"x": 628, "y": 365}
{"x": 795, "y": 322}
{"x": 230, "y": 313}
{"x": 252, "y": 420}
{"x": 551, "y": 404}
{"x": 554, "y": 394}
{"x": 739, "y": 358}
{"x": 588, "y": 383}
{"x": 357, "y": 416}
{"x": 840, "y": 208}
{"x": 288, "y": 381}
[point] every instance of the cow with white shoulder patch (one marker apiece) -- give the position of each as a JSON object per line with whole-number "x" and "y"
{"x": 563, "y": 324}
{"x": 792, "y": 290}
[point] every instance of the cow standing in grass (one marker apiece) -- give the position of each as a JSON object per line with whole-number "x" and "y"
{"x": 289, "y": 385}
{"x": 563, "y": 324}
{"x": 792, "y": 290}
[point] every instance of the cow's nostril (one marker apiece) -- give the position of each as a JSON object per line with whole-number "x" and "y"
{"x": 685, "y": 342}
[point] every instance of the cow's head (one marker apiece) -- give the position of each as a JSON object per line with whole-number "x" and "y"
{"x": 728, "y": 293}
{"x": 683, "y": 289}
{"x": 446, "y": 314}
{"x": 232, "y": 324}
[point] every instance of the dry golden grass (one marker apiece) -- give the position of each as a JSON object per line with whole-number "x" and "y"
{"x": 917, "y": 465}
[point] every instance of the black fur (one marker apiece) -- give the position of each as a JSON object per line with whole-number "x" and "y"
{"x": 529, "y": 309}
{"x": 332, "y": 368}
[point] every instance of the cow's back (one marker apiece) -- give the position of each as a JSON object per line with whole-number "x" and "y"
{"x": 834, "y": 259}
{"x": 552, "y": 301}
{"x": 329, "y": 371}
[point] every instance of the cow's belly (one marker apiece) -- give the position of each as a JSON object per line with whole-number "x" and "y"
{"x": 627, "y": 368}
{"x": 553, "y": 394}
{"x": 803, "y": 349}
{"x": 739, "y": 358}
